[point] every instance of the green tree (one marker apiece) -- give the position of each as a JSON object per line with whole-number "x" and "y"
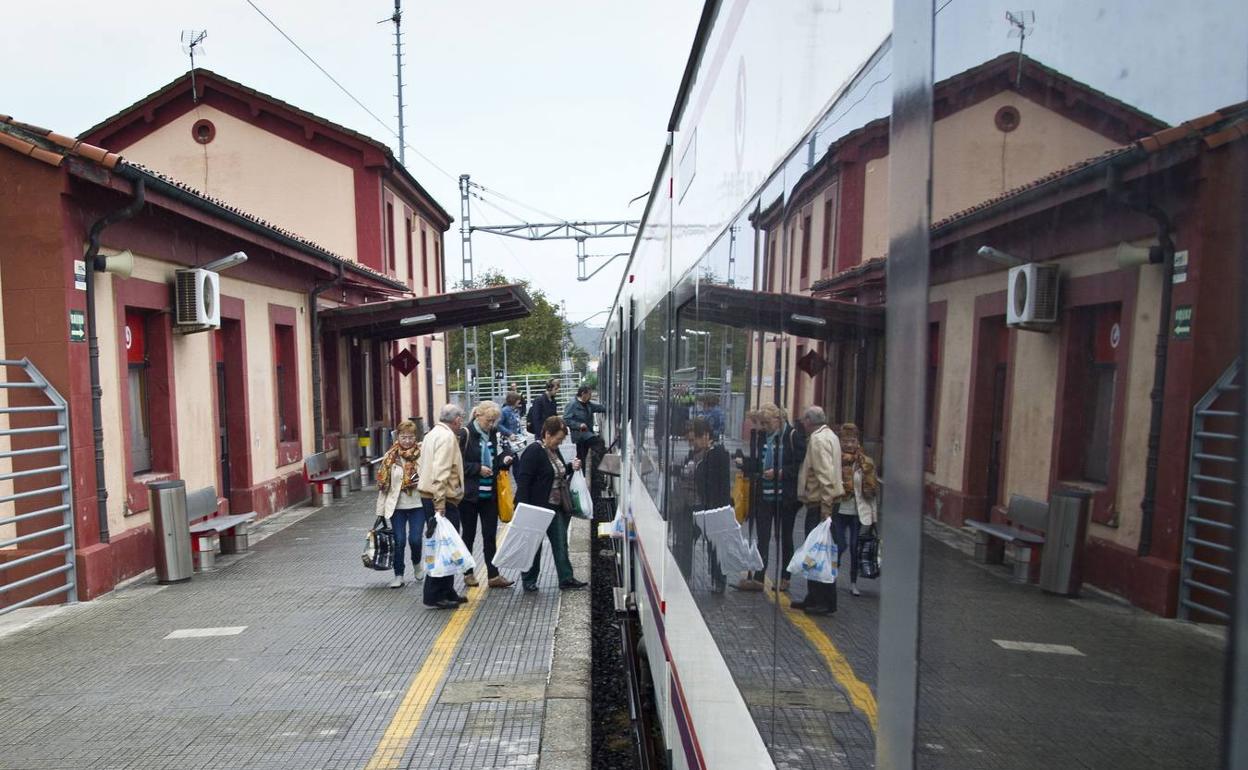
{"x": 538, "y": 350}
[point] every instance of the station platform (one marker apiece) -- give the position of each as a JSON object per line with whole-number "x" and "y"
{"x": 1086, "y": 682}
{"x": 293, "y": 655}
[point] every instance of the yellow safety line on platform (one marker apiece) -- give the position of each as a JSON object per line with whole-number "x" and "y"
{"x": 859, "y": 692}
{"x": 419, "y": 694}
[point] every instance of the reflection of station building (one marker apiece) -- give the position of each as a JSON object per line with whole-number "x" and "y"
{"x": 344, "y": 273}
{"x": 1049, "y": 172}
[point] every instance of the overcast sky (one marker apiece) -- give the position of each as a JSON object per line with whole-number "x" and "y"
{"x": 561, "y": 104}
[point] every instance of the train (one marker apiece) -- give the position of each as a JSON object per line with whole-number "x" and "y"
{"x": 849, "y": 189}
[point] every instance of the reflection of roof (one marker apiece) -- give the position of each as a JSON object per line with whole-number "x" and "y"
{"x": 796, "y": 314}
{"x": 429, "y": 314}
{"x": 1076, "y": 101}
{"x": 140, "y": 111}
{"x": 1212, "y": 130}
{"x": 53, "y": 148}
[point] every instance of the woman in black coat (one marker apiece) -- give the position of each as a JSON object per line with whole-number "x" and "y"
{"x": 483, "y": 460}
{"x": 706, "y": 481}
{"x": 542, "y": 480}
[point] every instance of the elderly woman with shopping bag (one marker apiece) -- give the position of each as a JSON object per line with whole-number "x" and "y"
{"x": 542, "y": 479}
{"x": 399, "y": 503}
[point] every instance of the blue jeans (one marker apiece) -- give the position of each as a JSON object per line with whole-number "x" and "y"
{"x": 845, "y": 529}
{"x": 408, "y": 524}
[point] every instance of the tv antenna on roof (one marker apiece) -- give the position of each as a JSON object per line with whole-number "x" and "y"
{"x": 1021, "y": 25}
{"x": 193, "y": 39}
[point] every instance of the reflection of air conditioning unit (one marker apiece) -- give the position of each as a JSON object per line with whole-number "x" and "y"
{"x": 1031, "y": 301}
{"x": 197, "y": 305}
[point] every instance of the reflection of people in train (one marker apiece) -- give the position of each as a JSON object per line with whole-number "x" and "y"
{"x": 706, "y": 483}
{"x": 820, "y": 486}
{"x": 776, "y": 453}
{"x": 710, "y": 410}
{"x": 858, "y": 505}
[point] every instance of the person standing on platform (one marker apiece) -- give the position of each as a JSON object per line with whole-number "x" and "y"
{"x": 820, "y": 486}
{"x": 542, "y": 480}
{"x": 509, "y": 422}
{"x": 706, "y": 479}
{"x": 398, "y": 502}
{"x": 543, "y": 408}
{"x": 858, "y": 504}
{"x": 579, "y": 417}
{"x": 482, "y": 461}
{"x": 441, "y": 488}
{"x": 779, "y": 449}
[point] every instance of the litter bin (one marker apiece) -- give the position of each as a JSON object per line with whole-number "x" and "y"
{"x": 1061, "y": 567}
{"x": 172, "y": 531}
{"x": 349, "y": 453}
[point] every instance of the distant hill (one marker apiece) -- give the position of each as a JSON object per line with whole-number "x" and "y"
{"x": 589, "y": 338}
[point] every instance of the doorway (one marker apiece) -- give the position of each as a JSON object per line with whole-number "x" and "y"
{"x": 984, "y": 474}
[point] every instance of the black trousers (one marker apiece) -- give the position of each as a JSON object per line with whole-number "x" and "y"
{"x": 470, "y": 511}
{"x": 599, "y": 448}
{"x": 821, "y": 595}
{"x": 440, "y": 588}
{"x": 767, "y": 515}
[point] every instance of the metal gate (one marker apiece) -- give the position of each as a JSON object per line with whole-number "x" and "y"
{"x": 37, "y": 545}
{"x": 1209, "y": 530}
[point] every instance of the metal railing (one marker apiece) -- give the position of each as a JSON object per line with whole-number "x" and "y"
{"x": 33, "y": 539}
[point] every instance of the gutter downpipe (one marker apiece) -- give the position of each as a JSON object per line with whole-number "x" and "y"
{"x": 1162, "y": 253}
{"x": 96, "y": 264}
{"x": 318, "y": 408}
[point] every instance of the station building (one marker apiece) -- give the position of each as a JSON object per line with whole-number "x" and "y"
{"x": 334, "y": 322}
{"x": 1017, "y": 147}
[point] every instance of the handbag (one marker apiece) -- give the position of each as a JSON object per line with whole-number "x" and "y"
{"x": 506, "y": 496}
{"x": 379, "y": 546}
{"x": 869, "y": 554}
{"x": 582, "y": 505}
{"x": 741, "y": 497}
{"x": 816, "y": 558}
{"x": 444, "y": 551}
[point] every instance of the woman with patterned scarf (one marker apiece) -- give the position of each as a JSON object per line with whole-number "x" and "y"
{"x": 857, "y": 508}
{"x": 399, "y": 502}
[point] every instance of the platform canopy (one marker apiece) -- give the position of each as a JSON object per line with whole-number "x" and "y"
{"x": 796, "y": 314}
{"x": 413, "y": 316}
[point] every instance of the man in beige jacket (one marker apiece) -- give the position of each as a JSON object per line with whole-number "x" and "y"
{"x": 819, "y": 485}
{"x": 441, "y": 487}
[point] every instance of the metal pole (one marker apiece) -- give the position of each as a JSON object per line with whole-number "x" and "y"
{"x": 465, "y": 253}
{"x": 493, "y": 374}
{"x": 909, "y": 211}
{"x": 398, "y": 76}
{"x": 504, "y": 362}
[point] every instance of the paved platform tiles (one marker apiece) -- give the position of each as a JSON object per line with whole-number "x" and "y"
{"x": 1143, "y": 692}
{"x": 328, "y": 658}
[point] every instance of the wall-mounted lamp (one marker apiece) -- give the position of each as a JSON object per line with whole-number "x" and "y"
{"x": 808, "y": 319}
{"x": 998, "y": 256}
{"x": 225, "y": 263}
{"x": 418, "y": 319}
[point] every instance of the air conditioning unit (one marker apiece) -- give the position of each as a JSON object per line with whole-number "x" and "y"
{"x": 197, "y": 300}
{"x": 1031, "y": 299}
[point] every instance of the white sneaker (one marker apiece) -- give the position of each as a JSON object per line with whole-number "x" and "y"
{"x": 419, "y": 576}
{"x": 853, "y": 589}
{"x": 397, "y": 582}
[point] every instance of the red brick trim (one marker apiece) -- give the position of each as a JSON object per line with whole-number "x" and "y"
{"x": 150, "y": 296}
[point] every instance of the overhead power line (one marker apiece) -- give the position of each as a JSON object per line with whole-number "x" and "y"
{"x": 350, "y": 95}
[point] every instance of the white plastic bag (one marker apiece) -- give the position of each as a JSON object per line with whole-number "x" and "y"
{"x": 524, "y": 536}
{"x": 816, "y": 559}
{"x": 582, "y": 506}
{"x": 445, "y": 552}
{"x": 721, "y": 528}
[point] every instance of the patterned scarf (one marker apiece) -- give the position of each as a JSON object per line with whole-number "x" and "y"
{"x": 388, "y": 462}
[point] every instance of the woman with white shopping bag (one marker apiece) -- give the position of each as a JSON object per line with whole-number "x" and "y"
{"x": 542, "y": 479}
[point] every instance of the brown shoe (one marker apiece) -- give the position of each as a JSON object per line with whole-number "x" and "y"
{"x": 748, "y": 584}
{"x": 470, "y": 580}
{"x": 498, "y": 581}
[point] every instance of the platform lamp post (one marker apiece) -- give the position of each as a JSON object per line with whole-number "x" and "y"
{"x": 706, "y": 347}
{"x": 493, "y": 377}
{"x": 505, "y": 370}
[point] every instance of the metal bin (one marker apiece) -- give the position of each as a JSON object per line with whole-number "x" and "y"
{"x": 1062, "y": 560}
{"x": 172, "y": 531}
